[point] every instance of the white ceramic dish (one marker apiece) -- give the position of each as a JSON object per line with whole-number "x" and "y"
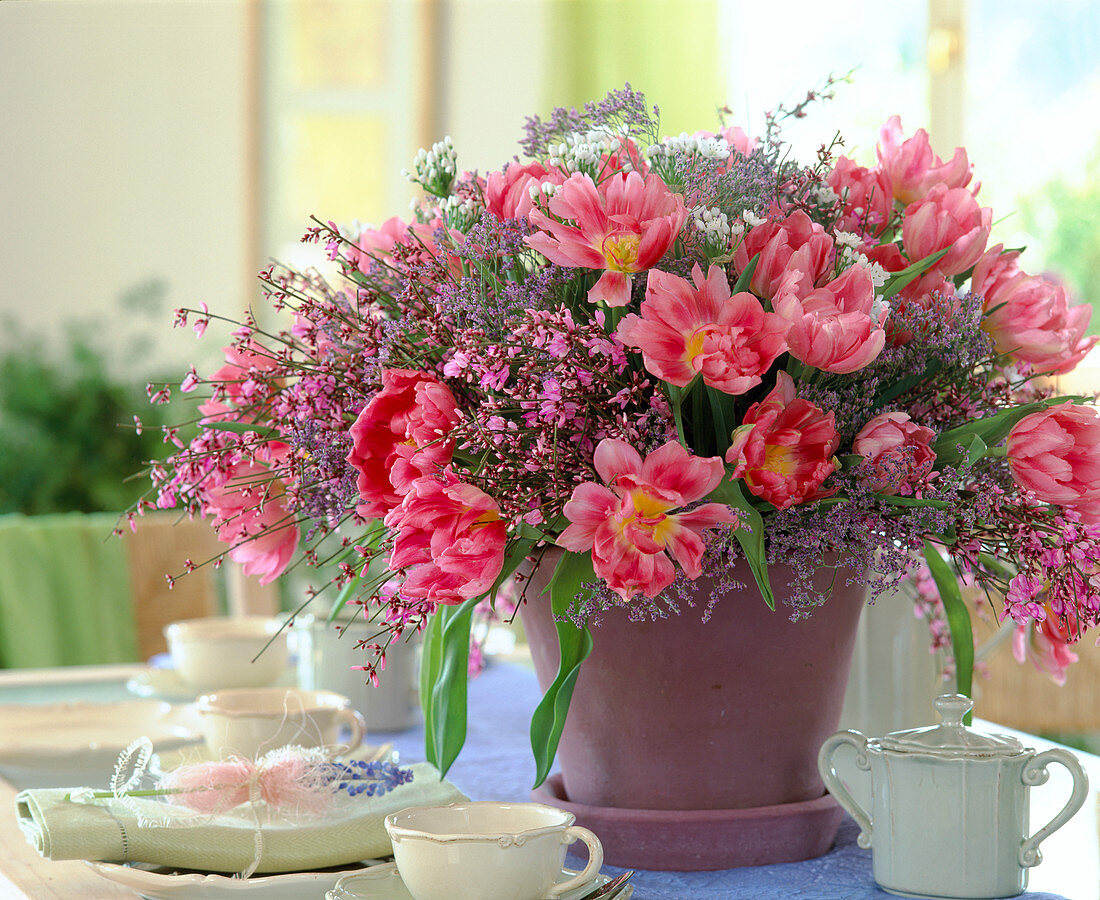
{"x": 155, "y": 883}
{"x": 384, "y": 883}
{"x": 66, "y": 744}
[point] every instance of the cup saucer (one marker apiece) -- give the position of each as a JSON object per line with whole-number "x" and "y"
{"x": 170, "y": 760}
{"x": 165, "y": 683}
{"x": 384, "y": 883}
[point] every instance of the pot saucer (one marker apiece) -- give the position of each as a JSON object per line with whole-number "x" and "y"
{"x": 384, "y": 883}
{"x": 706, "y": 839}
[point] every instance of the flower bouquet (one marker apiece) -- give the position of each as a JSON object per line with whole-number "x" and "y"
{"x": 654, "y": 356}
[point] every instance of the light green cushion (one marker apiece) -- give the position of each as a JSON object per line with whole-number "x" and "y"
{"x": 65, "y": 596}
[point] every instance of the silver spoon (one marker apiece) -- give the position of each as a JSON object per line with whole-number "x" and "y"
{"x": 611, "y": 889}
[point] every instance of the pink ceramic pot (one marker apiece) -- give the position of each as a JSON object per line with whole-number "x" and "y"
{"x": 709, "y": 728}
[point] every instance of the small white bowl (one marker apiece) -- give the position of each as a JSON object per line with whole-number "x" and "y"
{"x": 228, "y": 652}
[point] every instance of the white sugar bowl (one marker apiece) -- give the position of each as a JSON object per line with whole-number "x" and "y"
{"x": 949, "y": 806}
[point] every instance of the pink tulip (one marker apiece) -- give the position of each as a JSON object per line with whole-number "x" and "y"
{"x": 685, "y": 331}
{"x": 399, "y": 436}
{"x": 250, "y": 513}
{"x": 624, "y": 226}
{"x": 1029, "y": 316}
{"x": 738, "y": 140}
{"x": 834, "y": 328}
{"x": 449, "y": 539}
{"x": 946, "y": 218}
{"x": 784, "y": 450}
{"x": 629, "y": 525}
{"x": 376, "y": 246}
{"x": 910, "y": 166}
{"x": 897, "y": 452}
{"x": 1055, "y": 454}
{"x": 1046, "y": 645}
{"x": 866, "y": 198}
{"x": 508, "y": 193}
{"x": 795, "y": 244}
{"x": 238, "y": 391}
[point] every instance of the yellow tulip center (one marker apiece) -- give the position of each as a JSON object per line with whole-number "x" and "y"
{"x": 620, "y": 251}
{"x": 779, "y": 460}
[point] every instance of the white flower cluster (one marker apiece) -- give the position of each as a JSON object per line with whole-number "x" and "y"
{"x": 849, "y": 256}
{"x": 544, "y": 189}
{"x": 459, "y": 213}
{"x": 435, "y": 168}
{"x": 584, "y": 152}
{"x": 685, "y": 145}
{"x": 713, "y": 224}
{"x": 752, "y": 219}
{"x": 824, "y": 195}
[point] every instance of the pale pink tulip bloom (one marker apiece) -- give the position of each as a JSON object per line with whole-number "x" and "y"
{"x": 399, "y": 436}
{"x": 624, "y": 226}
{"x": 1045, "y": 645}
{"x": 897, "y": 452}
{"x": 1029, "y": 316}
{"x": 834, "y": 328}
{"x": 866, "y": 198}
{"x": 250, "y": 514}
{"x": 795, "y": 244}
{"x": 947, "y": 218}
{"x": 508, "y": 193}
{"x": 685, "y": 331}
{"x": 737, "y": 139}
{"x": 784, "y": 450}
{"x": 449, "y": 539}
{"x": 375, "y": 246}
{"x": 1055, "y": 454}
{"x": 236, "y": 395}
{"x": 910, "y": 166}
{"x": 630, "y": 527}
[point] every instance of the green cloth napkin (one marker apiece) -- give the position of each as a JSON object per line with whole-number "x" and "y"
{"x": 65, "y": 596}
{"x": 107, "y": 831}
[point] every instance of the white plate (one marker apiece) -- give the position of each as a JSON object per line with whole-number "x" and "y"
{"x": 163, "y": 884}
{"x": 67, "y": 744}
{"x": 384, "y": 883}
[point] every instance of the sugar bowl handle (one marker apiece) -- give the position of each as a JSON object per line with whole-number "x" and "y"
{"x": 1035, "y": 773}
{"x": 836, "y": 786}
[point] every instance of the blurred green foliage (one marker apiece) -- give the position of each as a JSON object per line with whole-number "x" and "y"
{"x": 67, "y": 435}
{"x": 1065, "y": 217}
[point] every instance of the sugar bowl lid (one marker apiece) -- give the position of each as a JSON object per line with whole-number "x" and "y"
{"x": 951, "y": 738}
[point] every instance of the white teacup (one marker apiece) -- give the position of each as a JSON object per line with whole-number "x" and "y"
{"x": 252, "y": 721}
{"x": 227, "y": 652}
{"x": 488, "y": 851}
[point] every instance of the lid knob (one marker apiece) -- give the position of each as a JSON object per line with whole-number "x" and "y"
{"x": 952, "y": 708}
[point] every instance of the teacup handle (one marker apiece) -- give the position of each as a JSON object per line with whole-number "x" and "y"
{"x": 356, "y": 723}
{"x": 836, "y": 786}
{"x": 595, "y": 860}
{"x": 1034, "y": 774}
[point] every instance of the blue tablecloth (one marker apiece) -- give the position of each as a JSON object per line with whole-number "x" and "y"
{"x": 496, "y": 764}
